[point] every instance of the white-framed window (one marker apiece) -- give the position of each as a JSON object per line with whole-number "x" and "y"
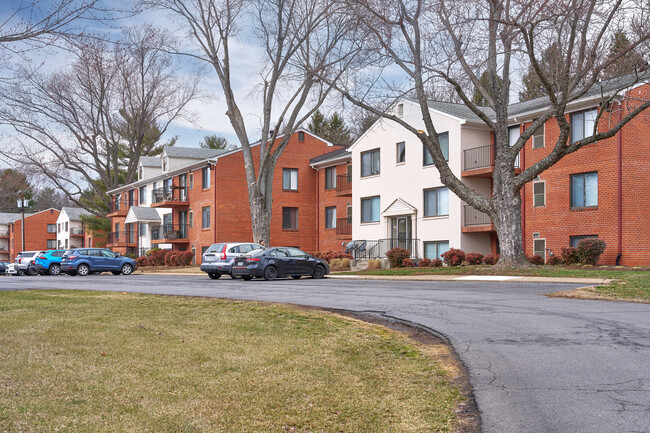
{"x": 538, "y": 137}
{"x": 436, "y": 202}
{"x": 205, "y": 223}
{"x": 400, "y": 152}
{"x": 539, "y": 193}
{"x": 435, "y": 249}
{"x": 190, "y": 218}
{"x": 330, "y": 217}
{"x": 143, "y": 195}
{"x": 51, "y": 228}
{"x": 191, "y": 180}
{"x": 290, "y": 179}
{"x": 205, "y": 172}
{"x": 539, "y": 248}
{"x": 443, "y": 139}
{"x": 514, "y": 132}
{"x": 370, "y": 163}
{"x": 575, "y": 240}
{"x": 370, "y": 209}
{"x": 400, "y": 110}
{"x": 582, "y": 124}
{"x": 584, "y": 190}
{"x": 330, "y": 178}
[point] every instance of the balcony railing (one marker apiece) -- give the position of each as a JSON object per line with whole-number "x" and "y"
{"x": 175, "y": 193}
{"x": 474, "y": 217}
{"x": 481, "y": 157}
{"x": 343, "y": 183}
{"x": 4, "y": 234}
{"x": 376, "y": 249}
{"x": 76, "y": 231}
{"x": 123, "y": 238}
{"x": 344, "y": 226}
{"x": 169, "y": 232}
{"x": 123, "y": 204}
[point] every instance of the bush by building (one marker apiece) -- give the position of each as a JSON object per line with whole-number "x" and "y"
{"x": 590, "y": 250}
{"x": 474, "y": 258}
{"x": 453, "y": 257}
{"x": 396, "y": 256}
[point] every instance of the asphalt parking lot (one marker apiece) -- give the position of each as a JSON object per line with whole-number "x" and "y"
{"x": 536, "y": 364}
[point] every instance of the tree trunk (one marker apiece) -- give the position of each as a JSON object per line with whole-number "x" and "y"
{"x": 507, "y": 222}
{"x": 260, "y": 216}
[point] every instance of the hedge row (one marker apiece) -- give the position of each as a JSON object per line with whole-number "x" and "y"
{"x": 158, "y": 257}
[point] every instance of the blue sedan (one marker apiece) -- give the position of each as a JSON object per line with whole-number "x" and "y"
{"x": 279, "y": 262}
{"x": 84, "y": 261}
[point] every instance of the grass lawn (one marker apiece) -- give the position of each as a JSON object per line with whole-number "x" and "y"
{"x": 632, "y": 284}
{"x": 115, "y": 362}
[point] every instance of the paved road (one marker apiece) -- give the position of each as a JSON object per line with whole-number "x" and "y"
{"x": 536, "y": 364}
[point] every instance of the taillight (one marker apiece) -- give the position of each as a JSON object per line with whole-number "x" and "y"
{"x": 33, "y": 262}
{"x": 223, "y": 252}
{"x": 40, "y": 258}
{"x": 252, "y": 260}
{"x": 72, "y": 257}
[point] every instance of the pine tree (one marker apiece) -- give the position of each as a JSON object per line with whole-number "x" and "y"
{"x": 551, "y": 61}
{"x": 629, "y": 60}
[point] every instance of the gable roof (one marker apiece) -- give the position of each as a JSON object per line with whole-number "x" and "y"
{"x": 150, "y": 161}
{"x": 399, "y": 207}
{"x": 333, "y": 155}
{"x": 142, "y": 214}
{"x": 74, "y": 213}
{"x": 192, "y": 152}
{"x": 9, "y": 217}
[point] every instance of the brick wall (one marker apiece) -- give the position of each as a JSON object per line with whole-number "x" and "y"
{"x": 36, "y": 235}
{"x": 328, "y": 240}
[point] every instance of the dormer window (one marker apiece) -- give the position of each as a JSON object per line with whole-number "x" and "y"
{"x": 400, "y": 110}
{"x": 140, "y": 173}
{"x": 165, "y": 163}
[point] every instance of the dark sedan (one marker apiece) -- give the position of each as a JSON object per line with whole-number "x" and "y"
{"x": 279, "y": 262}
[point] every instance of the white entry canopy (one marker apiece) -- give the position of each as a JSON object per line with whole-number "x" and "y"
{"x": 142, "y": 214}
{"x": 399, "y": 207}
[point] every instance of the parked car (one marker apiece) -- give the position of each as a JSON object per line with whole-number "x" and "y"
{"x": 84, "y": 261}
{"x": 49, "y": 262}
{"x": 24, "y": 263}
{"x": 3, "y": 267}
{"x": 279, "y": 262}
{"x": 10, "y": 269}
{"x": 218, "y": 259}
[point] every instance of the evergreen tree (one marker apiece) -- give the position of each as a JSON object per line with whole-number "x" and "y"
{"x": 551, "y": 61}
{"x": 216, "y": 142}
{"x": 332, "y": 129}
{"x": 628, "y": 60}
{"x": 478, "y": 98}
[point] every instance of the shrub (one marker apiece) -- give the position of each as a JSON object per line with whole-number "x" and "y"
{"x": 425, "y": 263}
{"x": 474, "y": 258}
{"x": 335, "y": 263}
{"x": 569, "y": 255}
{"x": 536, "y": 260}
{"x": 171, "y": 258}
{"x": 590, "y": 250}
{"x": 407, "y": 263}
{"x": 453, "y": 257}
{"x": 345, "y": 262}
{"x": 490, "y": 259}
{"x": 156, "y": 257}
{"x": 329, "y": 255}
{"x": 555, "y": 260}
{"x": 142, "y": 261}
{"x": 152, "y": 251}
{"x": 436, "y": 263}
{"x": 396, "y": 256}
{"x": 374, "y": 264}
{"x": 185, "y": 258}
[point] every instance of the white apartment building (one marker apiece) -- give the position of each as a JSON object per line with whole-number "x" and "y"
{"x": 70, "y": 231}
{"x": 398, "y": 199}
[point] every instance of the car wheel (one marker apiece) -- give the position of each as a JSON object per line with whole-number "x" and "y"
{"x": 246, "y": 277}
{"x": 83, "y": 270}
{"x": 214, "y": 275}
{"x": 296, "y": 277}
{"x": 319, "y": 272}
{"x": 72, "y": 273}
{"x": 270, "y": 273}
{"x": 115, "y": 272}
{"x": 21, "y": 273}
{"x": 54, "y": 270}
{"x": 127, "y": 269}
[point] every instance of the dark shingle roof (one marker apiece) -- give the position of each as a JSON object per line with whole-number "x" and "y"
{"x": 9, "y": 217}
{"x": 74, "y": 213}
{"x": 150, "y": 161}
{"x": 330, "y": 155}
{"x": 192, "y": 152}
{"x": 143, "y": 213}
{"x": 459, "y": 110}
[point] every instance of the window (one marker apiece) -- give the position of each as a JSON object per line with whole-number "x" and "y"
{"x": 370, "y": 163}
{"x": 206, "y": 177}
{"x": 330, "y": 217}
{"x": 400, "y": 110}
{"x": 538, "y": 137}
{"x": 143, "y": 195}
{"x": 51, "y": 244}
{"x": 290, "y": 179}
{"x": 443, "y": 139}
{"x": 370, "y": 209}
{"x": 584, "y": 190}
{"x": 58, "y": 228}
{"x": 582, "y": 124}
{"x": 436, "y": 202}
{"x": 539, "y": 248}
{"x": 574, "y": 240}
{"x": 206, "y": 217}
{"x": 539, "y": 194}
{"x": 66, "y": 243}
{"x": 401, "y": 152}
{"x": 153, "y": 192}
{"x": 290, "y": 218}
{"x": 66, "y": 226}
{"x": 117, "y": 231}
{"x": 330, "y": 178}
{"x": 301, "y": 136}
{"x": 51, "y": 228}
{"x": 191, "y": 180}
{"x": 434, "y": 250}
{"x": 140, "y": 173}
{"x": 142, "y": 229}
{"x": 165, "y": 163}
{"x": 107, "y": 253}
{"x": 191, "y": 218}
{"x": 204, "y": 249}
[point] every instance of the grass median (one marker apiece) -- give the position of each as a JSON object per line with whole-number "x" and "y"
{"x": 96, "y": 361}
{"x": 632, "y": 284}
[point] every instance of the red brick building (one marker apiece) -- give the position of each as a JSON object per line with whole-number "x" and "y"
{"x": 40, "y": 232}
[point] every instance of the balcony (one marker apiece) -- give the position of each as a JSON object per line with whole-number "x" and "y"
{"x": 122, "y": 239}
{"x": 476, "y": 221}
{"x": 76, "y": 231}
{"x": 170, "y": 233}
{"x": 344, "y": 226}
{"x": 377, "y": 249}
{"x": 479, "y": 162}
{"x": 4, "y": 234}
{"x": 119, "y": 207}
{"x": 173, "y": 197}
{"x": 343, "y": 185}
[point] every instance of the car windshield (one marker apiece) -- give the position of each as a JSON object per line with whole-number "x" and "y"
{"x": 26, "y": 254}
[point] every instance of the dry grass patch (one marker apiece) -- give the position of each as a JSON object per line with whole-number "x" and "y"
{"x": 94, "y": 361}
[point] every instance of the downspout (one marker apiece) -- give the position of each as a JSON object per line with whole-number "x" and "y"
{"x": 213, "y": 167}
{"x": 619, "y": 156}
{"x": 318, "y": 231}
{"x": 523, "y": 197}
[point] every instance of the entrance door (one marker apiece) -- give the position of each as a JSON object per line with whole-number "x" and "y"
{"x": 401, "y": 232}
{"x": 182, "y": 224}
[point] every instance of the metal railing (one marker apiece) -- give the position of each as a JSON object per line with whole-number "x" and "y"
{"x": 344, "y": 226}
{"x": 76, "y": 231}
{"x": 4, "y": 233}
{"x": 376, "y": 249}
{"x": 343, "y": 183}
{"x": 481, "y": 157}
{"x": 122, "y": 204}
{"x": 169, "y": 232}
{"x": 175, "y": 193}
{"x": 123, "y": 238}
{"x": 474, "y": 217}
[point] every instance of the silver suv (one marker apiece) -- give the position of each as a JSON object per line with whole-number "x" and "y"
{"x": 217, "y": 260}
{"x": 23, "y": 261}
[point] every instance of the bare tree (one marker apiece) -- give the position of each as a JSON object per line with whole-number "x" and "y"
{"x": 89, "y": 124}
{"x": 299, "y": 41}
{"x": 456, "y": 40}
